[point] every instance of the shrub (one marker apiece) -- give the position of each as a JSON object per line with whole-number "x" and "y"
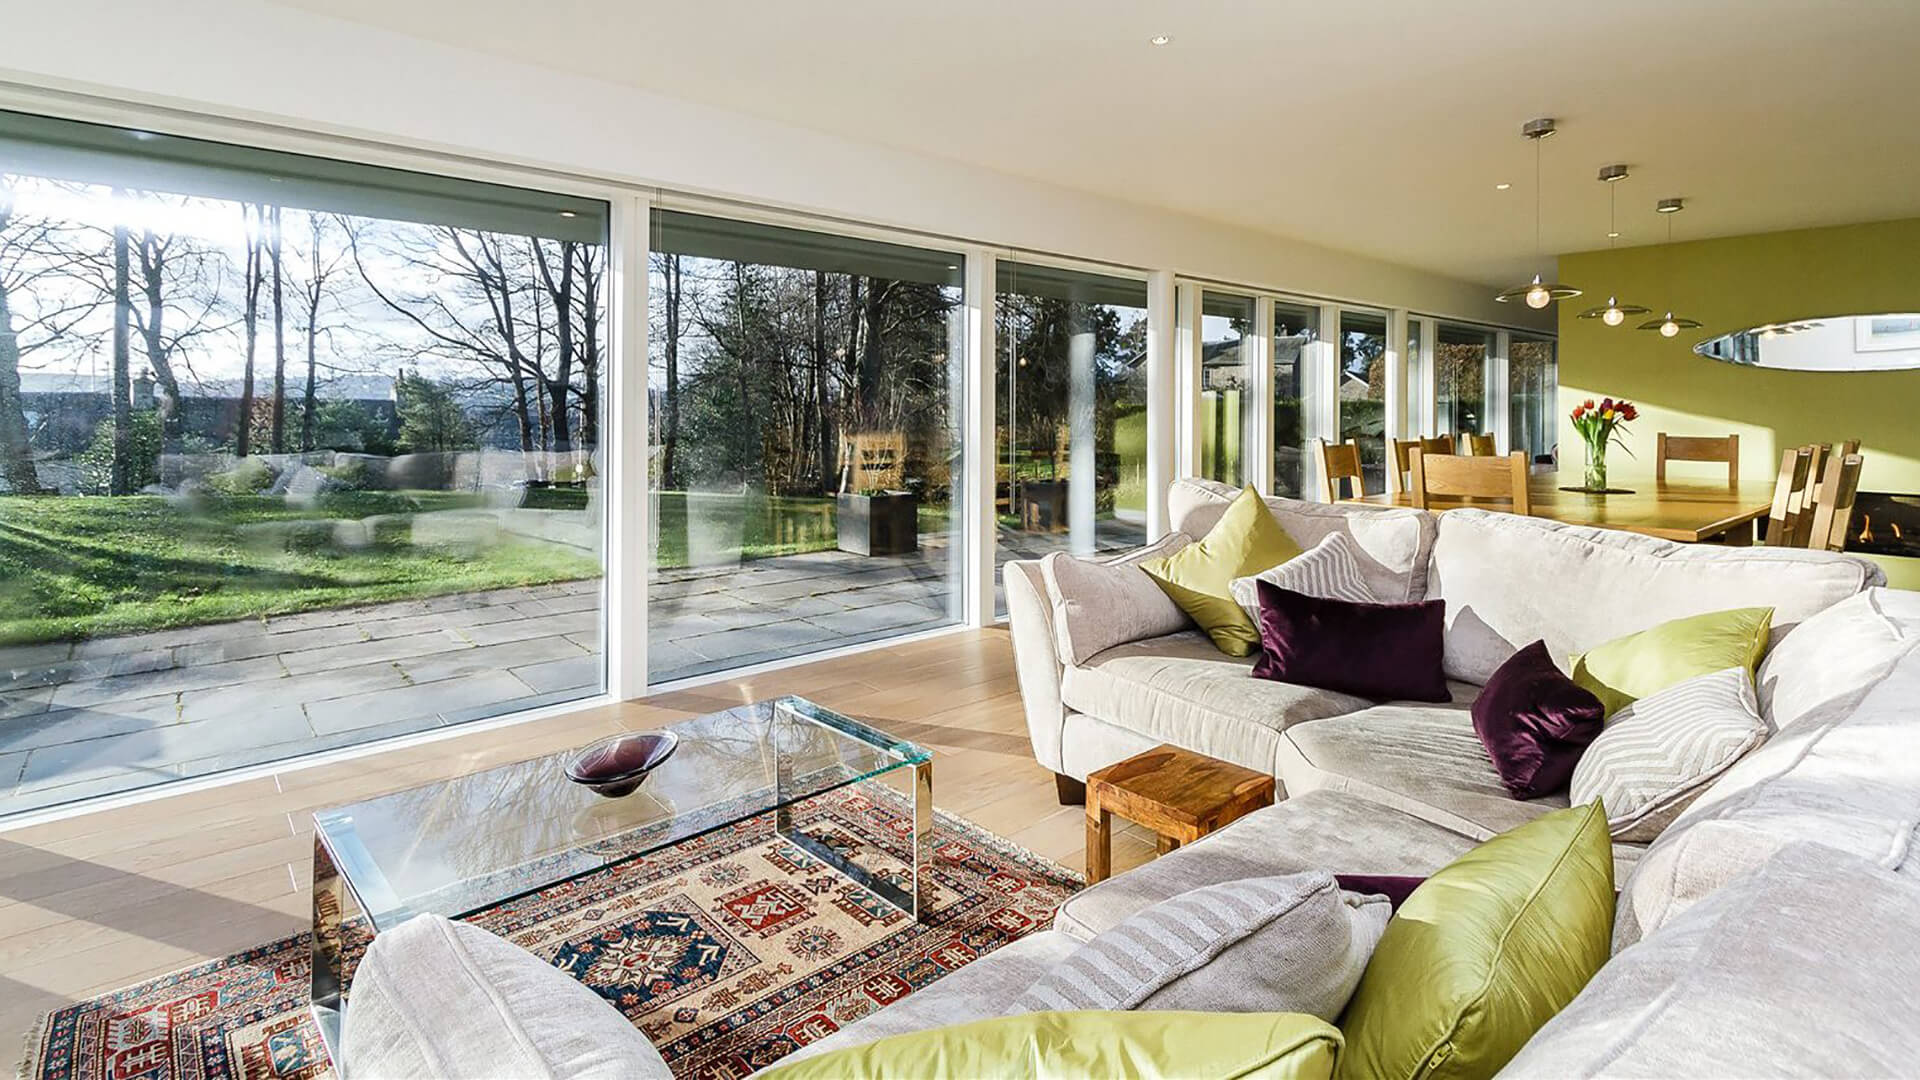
{"x": 143, "y": 459}
{"x": 249, "y": 476}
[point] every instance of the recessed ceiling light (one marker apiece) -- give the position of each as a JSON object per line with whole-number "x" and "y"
{"x": 568, "y": 213}
{"x": 1502, "y": 186}
{"x": 1613, "y": 236}
{"x": 1159, "y": 39}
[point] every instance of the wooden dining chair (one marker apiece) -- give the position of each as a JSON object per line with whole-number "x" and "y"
{"x": 1789, "y": 496}
{"x": 1341, "y": 461}
{"x": 1851, "y": 446}
{"x": 1450, "y": 476}
{"x": 1482, "y": 446}
{"x": 1693, "y": 448}
{"x": 1833, "y": 503}
{"x": 1438, "y": 444}
{"x": 1397, "y": 479}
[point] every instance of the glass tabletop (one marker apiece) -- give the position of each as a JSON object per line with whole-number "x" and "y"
{"x": 454, "y": 847}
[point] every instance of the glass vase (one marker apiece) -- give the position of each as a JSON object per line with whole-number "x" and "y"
{"x": 1596, "y": 479}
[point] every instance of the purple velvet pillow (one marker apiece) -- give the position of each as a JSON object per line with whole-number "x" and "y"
{"x": 1395, "y": 887}
{"x": 1534, "y": 722}
{"x": 1388, "y": 652}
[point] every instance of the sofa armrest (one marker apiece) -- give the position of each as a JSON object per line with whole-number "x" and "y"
{"x": 1036, "y": 658}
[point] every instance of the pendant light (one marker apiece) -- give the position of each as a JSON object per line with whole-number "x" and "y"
{"x": 1613, "y": 312}
{"x": 1537, "y": 293}
{"x": 1671, "y": 325}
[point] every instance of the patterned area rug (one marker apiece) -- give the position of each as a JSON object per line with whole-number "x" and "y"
{"x": 727, "y": 951}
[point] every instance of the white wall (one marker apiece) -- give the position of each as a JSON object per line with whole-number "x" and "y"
{"x": 249, "y": 60}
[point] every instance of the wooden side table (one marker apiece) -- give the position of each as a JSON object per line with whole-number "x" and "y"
{"x": 1180, "y": 795}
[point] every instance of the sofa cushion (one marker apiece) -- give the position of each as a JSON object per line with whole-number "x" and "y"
{"x": 1485, "y": 952}
{"x": 1199, "y": 577}
{"x": 1100, "y": 603}
{"x": 434, "y": 998}
{"x": 974, "y": 991}
{"x": 1844, "y": 773}
{"x": 1287, "y": 943}
{"x": 1788, "y": 971}
{"x": 1509, "y": 580}
{"x": 1424, "y": 760}
{"x": 1331, "y": 570}
{"x": 1378, "y": 651}
{"x": 1627, "y": 668}
{"x": 1849, "y": 646}
{"x": 1534, "y": 722}
{"x": 1659, "y": 753}
{"x": 1393, "y": 543}
{"x": 1317, "y": 831}
{"x": 1180, "y": 689}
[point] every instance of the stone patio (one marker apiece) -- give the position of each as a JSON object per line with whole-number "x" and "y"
{"x": 115, "y": 714}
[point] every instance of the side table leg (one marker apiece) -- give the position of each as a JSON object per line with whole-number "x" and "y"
{"x": 329, "y": 945}
{"x": 1163, "y": 844}
{"x": 1099, "y": 843}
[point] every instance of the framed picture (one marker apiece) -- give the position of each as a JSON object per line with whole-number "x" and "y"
{"x": 1886, "y": 333}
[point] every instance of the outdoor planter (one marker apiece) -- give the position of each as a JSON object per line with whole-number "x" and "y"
{"x": 1043, "y": 506}
{"x": 883, "y": 523}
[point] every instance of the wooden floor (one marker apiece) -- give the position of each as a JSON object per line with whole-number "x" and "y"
{"x": 95, "y": 902}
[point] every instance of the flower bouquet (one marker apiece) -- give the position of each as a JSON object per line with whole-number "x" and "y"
{"x": 1601, "y": 425}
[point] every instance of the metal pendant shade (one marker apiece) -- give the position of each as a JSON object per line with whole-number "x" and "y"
{"x": 1537, "y": 293}
{"x": 1672, "y": 324}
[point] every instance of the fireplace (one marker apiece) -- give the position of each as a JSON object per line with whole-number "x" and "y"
{"x": 1885, "y": 524}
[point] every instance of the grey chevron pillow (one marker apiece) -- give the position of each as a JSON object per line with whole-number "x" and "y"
{"x": 1329, "y": 570}
{"x": 1658, "y": 754}
{"x": 1294, "y": 943}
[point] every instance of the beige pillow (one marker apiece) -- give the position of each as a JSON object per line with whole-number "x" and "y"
{"x": 1100, "y": 603}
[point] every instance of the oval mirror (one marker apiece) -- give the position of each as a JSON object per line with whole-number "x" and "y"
{"x": 1888, "y": 342}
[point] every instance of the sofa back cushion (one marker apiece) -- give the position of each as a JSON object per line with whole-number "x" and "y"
{"x": 1844, "y": 773}
{"x": 1100, "y": 603}
{"x": 1509, "y": 580}
{"x": 1393, "y": 543}
{"x": 1802, "y": 967}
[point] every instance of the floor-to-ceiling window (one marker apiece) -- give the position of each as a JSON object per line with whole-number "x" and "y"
{"x": 294, "y": 454}
{"x": 1363, "y": 391}
{"x": 1533, "y": 384}
{"x": 805, "y": 395}
{"x": 1295, "y": 329}
{"x": 1460, "y": 355}
{"x": 1226, "y": 370}
{"x": 1070, "y": 449}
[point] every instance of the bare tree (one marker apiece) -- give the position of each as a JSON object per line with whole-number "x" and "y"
{"x": 48, "y": 290}
{"x": 558, "y": 383}
{"x": 120, "y": 482}
{"x": 592, "y": 273}
{"x": 279, "y": 335}
{"x": 313, "y": 293}
{"x": 673, "y": 294}
{"x": 178, "y": 278}
{"x": 250, "y": 319}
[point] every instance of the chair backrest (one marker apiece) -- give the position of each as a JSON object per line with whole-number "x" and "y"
{"x": 1438, "y": 444}
{"x": 1833, "y": 503}
{"x": 1452, "y": 476}
{"x": 1800, "y": 513}
{"x": 1482, "y": 446}
{"x": 1341, "y": 461}
{"x": 1725, "y": 449}
{"x": 1397, "y": 477}
{"x": 1789, "y": 495}
{"x": 1851, "y": 446}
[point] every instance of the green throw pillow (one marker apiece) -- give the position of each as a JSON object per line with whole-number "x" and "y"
{"x": 1245, "y": 541}
{"x": 1629, "y": 668}
{"x": 1143, "y": 1045}
{"x": 1485, "y": 952}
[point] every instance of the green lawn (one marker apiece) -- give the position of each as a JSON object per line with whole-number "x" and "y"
{"x": 76, "y": 567}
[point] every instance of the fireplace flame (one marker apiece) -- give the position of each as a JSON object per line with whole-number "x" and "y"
{"x": 1896, "y": 531}
{"x": 1866, "y": 529}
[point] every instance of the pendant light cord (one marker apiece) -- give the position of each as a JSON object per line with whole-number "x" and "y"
{"x": 1536, "y": 198}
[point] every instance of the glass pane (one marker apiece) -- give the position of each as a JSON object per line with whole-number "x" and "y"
{"x": 1534, "y": 373}
{"x": 1460, "y": 355}
{"x": 806, "y": 396}
{"x": 1417, "y": 406}
{"x": 1226, "y": 365}
{"x": 294, "y": 454}
{"x": 1295, "y": 328}
{"x": 1070, "y": 450}
{"x": 1363, "y": 392}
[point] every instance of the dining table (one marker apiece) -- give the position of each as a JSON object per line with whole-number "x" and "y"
{"x": 1690, "y": 512}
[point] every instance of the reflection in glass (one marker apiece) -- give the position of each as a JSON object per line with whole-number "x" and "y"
{"x": 1295, "y": 328}
{"x": 1363, "y": 392}
{"x": 1460, "y": 355}
{"x": 1226, "y": 366}
{"x": 1071, "y": 431}
{"x": 1889, "y": 342}
{"x": 805, "y": 452}
{"x": 1533, "y": 385}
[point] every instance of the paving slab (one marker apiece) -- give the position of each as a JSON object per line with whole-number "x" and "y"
{"x": 572, "y": 673}
{"x": 428, "y": 699}
{"x": 486, "y": 658}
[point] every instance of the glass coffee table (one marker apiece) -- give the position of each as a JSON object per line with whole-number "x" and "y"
{"x": 463, "y": 845}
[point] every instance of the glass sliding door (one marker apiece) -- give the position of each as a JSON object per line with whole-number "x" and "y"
{"x": 1363, "y": 392}
{"x": 1295, "y": 329}
{"x": 1226, "y": 368}
{"x": 805, "y": 463}
{"x": 1070, "y": 449}
{"x": 1533, "y": 376}
{"x": 295, "y": 454}
{"x": 1460, "y": 356}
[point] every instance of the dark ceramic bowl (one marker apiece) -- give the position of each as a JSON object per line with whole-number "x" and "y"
{"x": 617, "y": 765}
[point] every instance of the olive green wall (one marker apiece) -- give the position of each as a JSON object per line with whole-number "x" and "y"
{"x": 1733, "y": 283}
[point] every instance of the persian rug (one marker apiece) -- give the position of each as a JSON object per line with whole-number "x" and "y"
{"x": 727, "y": 951}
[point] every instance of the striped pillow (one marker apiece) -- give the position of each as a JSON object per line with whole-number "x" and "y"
{"x": 1330, "y": 570}
{"x": 1294, "y": 943}
{"x": 1658, "y": 754}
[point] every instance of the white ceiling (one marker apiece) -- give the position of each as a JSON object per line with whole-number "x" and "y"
{"x": 1378, "y": 127}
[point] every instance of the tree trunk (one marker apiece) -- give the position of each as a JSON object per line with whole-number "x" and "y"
{"x": 669, "y": 470}
{"x": 153, "y": 272}
{"x": 243, "y": 438}
{"x": 867, "y": 392}
{"x": 306, "y": 398}
{"x": 589, "y": 351}
{"x": 279, "y": 339}
{"x": 121, "y": 477}
{"x": 822, "y": 410}
{"x": 16, "y": 453}
{"x": 561, "y": 383}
